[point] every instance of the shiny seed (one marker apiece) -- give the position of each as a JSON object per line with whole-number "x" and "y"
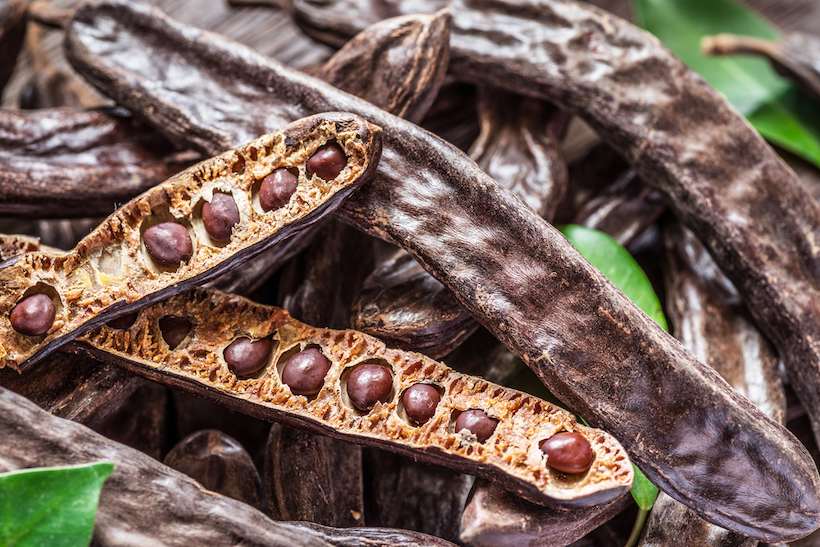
{"x": 168, "y": 243}
{"x": 33, "y": 315}
{"x": 276, "y": 189}
{"x": 568, "y": 452}
{"x": 369, "y": 384}
{"x": 245, "y": 356}
{"x": 420, "y": 402}
{"x": 476, "y": 422}
{"x": 220, "y": 216}
{"x": 174, "y": 330}
{"x": 327, "y": 162}
{"x": 305, "y": 372}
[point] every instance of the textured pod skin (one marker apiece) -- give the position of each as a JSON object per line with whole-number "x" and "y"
{"x": 12, "y": 33}
{"x": 147, "y": 503}
{"x": 310, "y": 477}
{"x": 109, "y": 273}
{"x": 65, "y": 163}
{"x": 587, "y": 342}
{"x": 510, "y": 456}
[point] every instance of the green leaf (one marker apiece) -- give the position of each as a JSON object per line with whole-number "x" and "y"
{"x": 50, "y": 507}
{"x": 782, "y": 113}
{"x": 618, "y": 266}
{"x": 644, "y": 492}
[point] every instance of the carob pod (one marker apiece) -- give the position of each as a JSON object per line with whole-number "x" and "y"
{"x": 493, "y": 517}
{"x": 453, "y": 115}
{"x": 525, "y": 297}
{"x": 337, "y": 404}
{"x": 159, "y": 243}
{"x": 313, "y": 478}
{"x": 12, "y": 34}
{"x": 709, "y": 316}
{"x": 147, "y": 503}
{"x": 794, "y": 55}
{"x": 77, "y": 163}
{"x": 219, "y": 463}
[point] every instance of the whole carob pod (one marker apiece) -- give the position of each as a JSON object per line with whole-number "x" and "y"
{"x": 349, "y": 385}
{"x": 588, "y": 343}
{"x": 166, "y": 240}
{"x": 12, "y": 33}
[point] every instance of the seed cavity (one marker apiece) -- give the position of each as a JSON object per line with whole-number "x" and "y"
{"x": 174, "y": 330}
{"x": 367, "y": 384}
{"x": 245, "y": 356}
{"x": 33, "y": 315}
{"x": 124, "y": 321}
{"x": 419, "y": 402}
{"x": 477, "y": 422}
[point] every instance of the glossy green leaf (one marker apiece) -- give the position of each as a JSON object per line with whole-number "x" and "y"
{"x": 50, "y": 507}
{"x": 782, "y": 113}
{"x": 618, "y": 266}
{"x": 644, "y": 492}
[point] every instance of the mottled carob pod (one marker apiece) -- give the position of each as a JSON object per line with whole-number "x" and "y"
{"x": 13, "y": 245}
{"x": 494, "y": 517}
{"x": 162, "y": 242}
{"x": 794, "y": 55}
{"x": 510, "y": 455}
{"x": 147, "y": 503}
{"x": 588, "y": 343}
{"x": 313, "y": 478}
{"x": 709, "y": 316}
{"x": 401, "y": 303}
{"x": 67, "y": 163}
{"x": 219, "y": 463}
{"x": 12, "y": 33}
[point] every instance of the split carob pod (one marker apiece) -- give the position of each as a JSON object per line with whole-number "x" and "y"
{"x": 310, "y": 477}
{"x": 349, "y": 385}
{"x": 493, "y": 517}
{"x": 709, "y": 316}
{"x": 219, "y": 463}
{"x": 184, "y": 232}
{"x": 147, "y": 503}
{"x": 794, "y": 55}
{"x": 610, "y": 363}
{"x": 12, "y": 33}
{"x": 63, "y": 163}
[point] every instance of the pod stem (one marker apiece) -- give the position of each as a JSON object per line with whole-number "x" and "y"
{"x": 637, "y": 527}
{"x": 731, "y": 44}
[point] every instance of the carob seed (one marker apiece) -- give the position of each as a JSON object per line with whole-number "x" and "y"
{"x": 34, "y": 315}
{"x": 245, "y": 356}
{"x": 420, "y": 402}
{"x": 168, "y": 243}
{"x": 369, "y": 384}
{"x": 476, "y": 422}
{"x": 304, "y": 373}
{"x": 327, "y": 162}
{"x": 568, "y": 452}
{"x": 174, "y": 330}
{"x": 276, "y": 189}
{"x": 124, "y": 321}
{"x": 220, "y": 216}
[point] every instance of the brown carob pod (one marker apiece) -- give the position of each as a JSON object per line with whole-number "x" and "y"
{"x": 494, "y": 517}
{"x": 219, "y": 463}
{"x": 13, "y": 245}
{"x": 68, "y": 163}
{"x": 313, "y": 478}
{"x": 794, "y": 55}
{"x": 12, "y": 34}
{"x": 147, "y": 503}
{"x": 588, "y": 343}
{"x": 157, "y": 244}
{"x": 510, "y": 455}
{"x": 453, "y": 116}
{"x": 709, "y": 316}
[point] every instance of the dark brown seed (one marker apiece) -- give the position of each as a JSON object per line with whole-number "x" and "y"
{"x": 174, "y": 330}
{"x": 304, "y": 373}
{"x": 476, "y": 422}
{"x": 276, "y": 189}
{"x": 568, "y": 452}
{"x": 327, "y": 162}
{"x": 420, "y": 402}
{"x": 34, "y": 315}
{"x": 369, "y": 384}
{"x": 220, "y": 216}
{"x": 245, "y": 356}
{"x": 168, "y": 243}
{"x": 125, "y": 321}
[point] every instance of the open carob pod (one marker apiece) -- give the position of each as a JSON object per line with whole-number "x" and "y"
{"x": 349, "y": 385}
{"x": 185, "y": 231}
{"x": 795, "y": 55}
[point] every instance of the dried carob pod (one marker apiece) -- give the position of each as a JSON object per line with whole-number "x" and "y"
{"x": 67, "y": 163}
{"x": 794, "y": 55}
{"x": 147, "y": 503}
{"x": 709, "y": 316}
{"x": 313, "y": 478}
{"x": 595, "y": 169}
{"x": 453, "y": 115}
{"x": 13, "y": 245}
{"x": 185, "y": 231}
{"x": 219, "y": 463}
{"x": 351, "y": 386}
{"x": 12, "y": 34}
{"x": 588, "y": 343}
